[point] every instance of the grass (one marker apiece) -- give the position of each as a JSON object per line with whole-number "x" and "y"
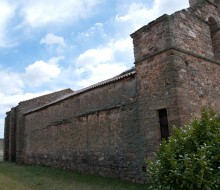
{"x": 16, "y": 177}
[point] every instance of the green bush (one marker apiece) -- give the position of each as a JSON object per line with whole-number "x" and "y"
{"x": 190, "y": 159}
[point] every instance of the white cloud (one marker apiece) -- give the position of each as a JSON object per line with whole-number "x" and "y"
{"x": 96, "y": 29}
{"x": 41, "y": 72}
{"x": 104, "y": 54}
{"x": 10, "y": 82}
{"x": 101, "y": 72}
{"x": 95, "y": 65}
{"x": 170, "y": 6}
{"x": 94, "y": 57}
{"x": 139, "y": 14}
{"x": 41, "y": 12}
{"x": 7, "y": 12}
{"x": 122, "y": 45}
{"x": 9, "y": 101}
{"x": 51, "y": 39}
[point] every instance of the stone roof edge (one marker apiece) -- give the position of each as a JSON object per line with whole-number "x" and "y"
{"x": 103, "y": 83}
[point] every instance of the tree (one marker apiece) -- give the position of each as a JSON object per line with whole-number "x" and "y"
{"x": 190, "y": 159}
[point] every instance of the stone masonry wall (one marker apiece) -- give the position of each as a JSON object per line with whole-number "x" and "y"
{"x": 94, "y": 132}
{"x": 162, "y": 78}
{"x": 152, "y": 38}
{"x": 190, "y": 30}
{"x": 187, "y": 30}
{"x": 195, "y": 54}
{"x": 24, "y": 107}
{"x": 156, "y": 81}
{"x": 156, "y": 84}
{"x": 198, "y": 85}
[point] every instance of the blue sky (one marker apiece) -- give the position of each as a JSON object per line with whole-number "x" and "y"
{"x": 48, "y": 45}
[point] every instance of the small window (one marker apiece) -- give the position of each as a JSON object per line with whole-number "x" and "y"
{"x": 215, "y": 37}
{"x": 164, "y": 129}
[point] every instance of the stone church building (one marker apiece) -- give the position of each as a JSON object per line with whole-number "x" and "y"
{"x": 111, "y": 127}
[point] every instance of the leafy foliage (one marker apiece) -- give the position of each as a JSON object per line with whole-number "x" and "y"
{"x": 191, "y": 157}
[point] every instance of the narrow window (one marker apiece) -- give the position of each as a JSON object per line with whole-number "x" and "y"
{"x": 163, "y": 124}
{"x": 215, "y": 37}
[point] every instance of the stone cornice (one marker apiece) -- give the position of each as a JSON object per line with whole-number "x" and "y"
{"x": 180, "y": 50}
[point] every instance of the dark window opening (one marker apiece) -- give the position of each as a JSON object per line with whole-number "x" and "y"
{"x": 164, "y": 129}
{"x": 215, "y": 37}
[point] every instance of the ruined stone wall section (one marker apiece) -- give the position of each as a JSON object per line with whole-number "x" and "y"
{"x": 95, "y": 132}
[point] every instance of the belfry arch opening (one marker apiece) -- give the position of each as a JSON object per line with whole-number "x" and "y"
{"x": 215, "y": 37}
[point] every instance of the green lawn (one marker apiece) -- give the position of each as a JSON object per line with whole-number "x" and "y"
{"x": 15, "y": 177}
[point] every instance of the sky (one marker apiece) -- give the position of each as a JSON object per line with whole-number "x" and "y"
{"x": 49, "y": 45}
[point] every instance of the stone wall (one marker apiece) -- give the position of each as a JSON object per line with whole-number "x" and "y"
{"x": 157, "y": 90}
{"x": 24, "y": 107}
{"x": 152, "y": 38}
{"x": 93, "y": 132}
{"x": 195, "y": 52}
{"x": 176, "y": 70}
{"x": 190, "y": 30}
{"x": 187, "y": 30}
{"x": 198, "y": 85}
{"x": 14, "y": 124}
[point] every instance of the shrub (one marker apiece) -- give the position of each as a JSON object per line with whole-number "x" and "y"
{"x": 190, "y": 159}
